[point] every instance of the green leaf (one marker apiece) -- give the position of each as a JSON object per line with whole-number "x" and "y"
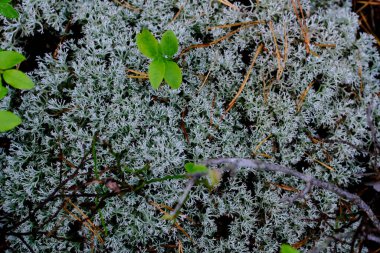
{"x": 156, "y": 73}
{"x": 3, "y": 91}
{"x": 147, "y": 44}
{"x": 169, "y": 44}
{"x": 8, "y": 11}
{"x": 9, "y": 59}
{"x": 18, "y": 79}
{"x": 173, "y": 74}
{"x": 8, "y": 121}
{"x": 286, "y": 248}
{"x": 5, "y": 1}
{"x": 193, "y": 168}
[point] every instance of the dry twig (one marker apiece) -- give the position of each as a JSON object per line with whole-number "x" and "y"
{"x": 310, "y": 181}
{"x": 233, "y": 101}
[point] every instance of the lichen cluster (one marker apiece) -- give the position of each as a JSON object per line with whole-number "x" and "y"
{"x": 85, "y": 90}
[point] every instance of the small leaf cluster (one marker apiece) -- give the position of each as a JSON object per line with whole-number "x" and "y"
{"x": 7, "y": 10}
{"x": 161, "y": 53}
{"x": 213, "y": 175}
{"x": 15, "y": 78}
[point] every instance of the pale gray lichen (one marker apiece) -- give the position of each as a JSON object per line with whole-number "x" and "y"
{"x": 88, "y": 86}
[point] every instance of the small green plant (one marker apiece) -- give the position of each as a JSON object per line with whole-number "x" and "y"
{"x": 7, "y": 10}
{"x": 161, "y": 53}
{"x": 286, "y": 248}
{"x": 14, "y": 78}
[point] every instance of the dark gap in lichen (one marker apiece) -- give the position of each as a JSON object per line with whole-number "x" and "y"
{"x": 5, "y": 144}
{"x": 222, "y": 223}
{"x": 38, "y": 45}
{"x": 318, "y": 82}
{"x": 250, "y": 183}
{"x": 302, "y": 164}
{"x": 242, "y": 2}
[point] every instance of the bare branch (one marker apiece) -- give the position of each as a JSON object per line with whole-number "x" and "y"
{"x": 193, "y": 178}
{"x": 263, "y": 166}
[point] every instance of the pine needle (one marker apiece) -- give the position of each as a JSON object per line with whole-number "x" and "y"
{"x": 302, "y": 97}
{"x": 233, "y": 101}
{"x": 227, "y": 3}
{"x": 247, "y": 23}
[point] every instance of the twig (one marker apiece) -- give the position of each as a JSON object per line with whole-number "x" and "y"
{"x": 127, "y": 5}
{"x": 181, "y": 201}
{"x": 280, "y": 69}
{"x": 185, "y": 50}
{"x": 246, "y": 23}
{"x": 263, "y": 166}
{"x": 227, "y": 3}
{"x": 177, "y": 14}
{"x": 233, "y": 101}
{"x": 25, "y": 243}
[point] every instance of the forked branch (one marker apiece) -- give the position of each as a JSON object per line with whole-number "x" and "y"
{"x": 310, "y": 181}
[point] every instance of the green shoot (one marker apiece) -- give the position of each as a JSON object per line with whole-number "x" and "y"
{"x": 13, "y": 77}
{"x": 162, "y": 66}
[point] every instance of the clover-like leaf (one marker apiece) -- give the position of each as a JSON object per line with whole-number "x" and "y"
{"x": 173, "y": 75}
{"x": 169, "y": 44}
{"x": 147, "y": 44}
{"x": 7, "y": 10}
{"x": 8, "y": 121}
{"x": 9, "y": 59}
{"x": 193, "y": 168}
{"x": 18, "y": 79}
{"x": 286, "y": 248}
{"x": 156, "y": 72}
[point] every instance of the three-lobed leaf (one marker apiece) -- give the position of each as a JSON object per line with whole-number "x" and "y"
{"x": 156, "y": 72}
{"x": 7, "y": 10}
{"x": 173, "y": 75}
{"x": 9, "y": 59}
{"x": 18, "y": 79}
{"x": 147, "y": 44}
{"x": 286, "y": 248}
{"x": 169, "y": 44}
{"x": 8, "y": 121}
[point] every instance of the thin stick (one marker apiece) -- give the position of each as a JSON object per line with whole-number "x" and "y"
{"x": 261, "y": 143}
{"x": 247, "y": 23}
{"x": 303, "y": 96}
{"x": 280, "y": 70}
{"x": 325, "y": 45}
{"x": 137, "y": 72}
{"x": 369, "y": 3}
{"x": 227, "y": 3}
{"x": 185, "y": 50}
{"x": 285, "y": 45}
{"x": 204, "y": 81}
{"x": 233, "y": 101}
{"x": 127, "y": 5}
{"x": 177, "y": 14}
{"x": 263, "y": 166}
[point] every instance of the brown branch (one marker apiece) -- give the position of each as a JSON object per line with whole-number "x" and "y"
{"x": 310, "y": 180}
